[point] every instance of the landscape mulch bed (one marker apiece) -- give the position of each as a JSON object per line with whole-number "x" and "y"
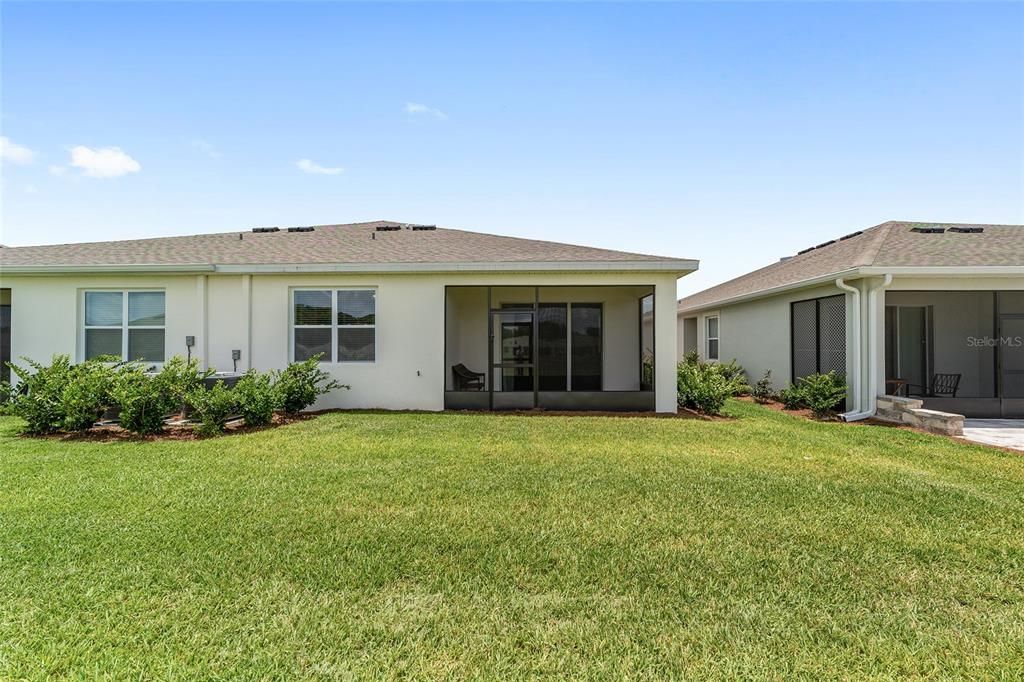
{"x": 113, "y": 433}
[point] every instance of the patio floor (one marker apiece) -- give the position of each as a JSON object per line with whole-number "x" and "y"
{"x": 1006, "y": 433}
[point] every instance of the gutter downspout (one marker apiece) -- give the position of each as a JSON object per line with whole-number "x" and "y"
{"x": 872, "y": 351}
{"x": 858, "y": 392}
{"x": 873, "y": 343}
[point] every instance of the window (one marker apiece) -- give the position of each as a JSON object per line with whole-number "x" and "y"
{"x": 124, "y": 324}
{"x": 712, "y": 338}
{"x": 340, "y": 325}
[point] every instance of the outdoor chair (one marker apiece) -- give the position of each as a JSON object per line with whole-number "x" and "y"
{"x": 943, "y": 386}
{"x": 466, "y": 379}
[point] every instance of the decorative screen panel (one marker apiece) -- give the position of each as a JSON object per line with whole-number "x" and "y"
{"x": 804, "y": 338}
{"x": 832, "y": 334}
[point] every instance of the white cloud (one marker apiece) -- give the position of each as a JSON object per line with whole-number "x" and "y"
{"x": 416, "y": 109}
{"x": 58, "y": 170}
{"x": 103, "y": 162}
{"x": 307, "y": 166}
{"x": 15, "y": 153}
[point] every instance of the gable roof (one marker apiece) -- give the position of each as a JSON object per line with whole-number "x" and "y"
{"x": 355, "y": 246}
{"x": 895, "y": 244}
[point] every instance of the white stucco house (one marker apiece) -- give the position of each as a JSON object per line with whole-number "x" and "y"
{"x": 411, "y": 316}
{"x": 929, "y": 311}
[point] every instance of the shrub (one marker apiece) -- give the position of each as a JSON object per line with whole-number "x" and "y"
{"x": 702, "y": 387}
{"x": 179, "y": 378}
{"x": 792, "y": 397}
{"x": 7, "y": 393}
{"x": 256, "y": 397}
{"x": 212, "y": 407}
{"x": 301, "y": 383}
{"x": 733, "y": 373}
{"x": 823, "y": 392}
{"x": 762, "y": 390}
{"x": 40, "y": 403}
{"x": 87, "y": 394}
{"x": 691, "y": 358}
{"x": 144, "y": 401}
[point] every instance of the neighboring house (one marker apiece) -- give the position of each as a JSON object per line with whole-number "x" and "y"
{"x": 393, "y": 308}
{"x": 896, "y": 308}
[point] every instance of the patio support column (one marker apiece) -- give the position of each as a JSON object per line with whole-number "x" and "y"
{"x": 665, "y": 344}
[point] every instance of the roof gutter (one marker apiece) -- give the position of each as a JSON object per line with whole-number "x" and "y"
{"x": 764, "y": 293}
{"x": 101, "y": 269}
{"x": 673, "y": 266}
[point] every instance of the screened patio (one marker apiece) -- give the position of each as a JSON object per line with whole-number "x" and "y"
{"x": 960, "y": 351}
{"x": 549, "y": 347}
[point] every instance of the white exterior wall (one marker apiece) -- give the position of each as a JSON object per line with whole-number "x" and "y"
{"x": 757, "y": 333}
{"x": 251, "y": 313}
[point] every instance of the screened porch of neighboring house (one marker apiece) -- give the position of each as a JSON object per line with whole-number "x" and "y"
{"x": 960, "y": 351}
{"x": 551, "y": 347}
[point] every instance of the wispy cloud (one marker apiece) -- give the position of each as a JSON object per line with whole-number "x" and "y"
{"x": 416, "y": 109}
{"x": 307, "y": 166}
{"x": 15, "y": 153}
{"x": 204, "y": 147}
{"x": 58, "y": 170}
{"x": 103, "y": 162}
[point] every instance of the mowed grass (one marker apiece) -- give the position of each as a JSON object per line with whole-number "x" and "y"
{"x": 360, "y": 545}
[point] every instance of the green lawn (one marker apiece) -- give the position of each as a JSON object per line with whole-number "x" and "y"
{"x": 447, "y": 545}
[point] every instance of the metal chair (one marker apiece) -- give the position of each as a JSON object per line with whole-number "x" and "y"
{"x": 466, "y": 379}
{"x": 943, "y": 386}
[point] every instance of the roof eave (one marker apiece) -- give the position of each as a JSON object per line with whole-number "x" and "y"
{"x": 867, "y": 271}
{"x": 679, "y": 267}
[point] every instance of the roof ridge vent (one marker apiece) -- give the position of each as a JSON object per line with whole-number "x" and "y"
{"x": 928, "y": 230}
{"x": 300, "y": 229}
{"x": 967, "y": 230}
{"x": 851, "y": 235}
{"x": 263, "y": 230}
{"x": 421, "y": 228}
{"x": 388, "y": 228}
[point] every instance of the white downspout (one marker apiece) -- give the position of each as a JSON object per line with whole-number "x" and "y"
{"x": 873, "y": 343}
{"x": 858, "y": 388}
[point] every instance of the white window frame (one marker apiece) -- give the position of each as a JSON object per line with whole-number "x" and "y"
{"x": 124, "y": 327}
{"x": 333, "y": 359}
{"x": 708, "y": 338}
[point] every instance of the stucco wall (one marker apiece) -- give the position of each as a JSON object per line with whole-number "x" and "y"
{"x": 756, "y": 333}
{"x": 251, "y": 313}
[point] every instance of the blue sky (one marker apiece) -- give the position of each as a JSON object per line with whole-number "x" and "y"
{"x": 732, "y": 133}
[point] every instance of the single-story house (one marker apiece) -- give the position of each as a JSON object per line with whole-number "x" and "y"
{"x": 927, "y": 311}
{"x": 410, "y": 316}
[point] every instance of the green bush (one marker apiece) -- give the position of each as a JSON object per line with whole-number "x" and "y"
{"x": 792, "y": 397}
{"x": 7, "y": 393}
{"x": 212, "y": 407}
{"x": 704, "y": 386}
{"x": 301, "y": 383}
{"x": 87, "y": 394}
{"x": 256, "y": 397}
{"x": 143, "y": 399}
{"x": 733, "y": 373}
{"x": 179, "y": 378}
{"x": 40, "y": 403}
{"x": 762, "y": 390}
{"x": 823, "y": 392}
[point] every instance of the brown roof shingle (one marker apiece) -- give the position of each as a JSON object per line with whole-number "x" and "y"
{"x": 891, "y": 244}
{"x": 356, "y": 243}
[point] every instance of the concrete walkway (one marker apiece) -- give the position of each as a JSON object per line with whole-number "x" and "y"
{"x": 1006, "y": 433}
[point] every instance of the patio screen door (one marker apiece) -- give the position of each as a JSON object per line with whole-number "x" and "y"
{"x": 513, "y": 359}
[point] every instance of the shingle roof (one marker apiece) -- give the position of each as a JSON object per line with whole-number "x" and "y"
{"x": 357, "y": 243}
{"x": 891, "y": 244}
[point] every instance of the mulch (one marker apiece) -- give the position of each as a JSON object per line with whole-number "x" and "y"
{"x": 113, "y": 433}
